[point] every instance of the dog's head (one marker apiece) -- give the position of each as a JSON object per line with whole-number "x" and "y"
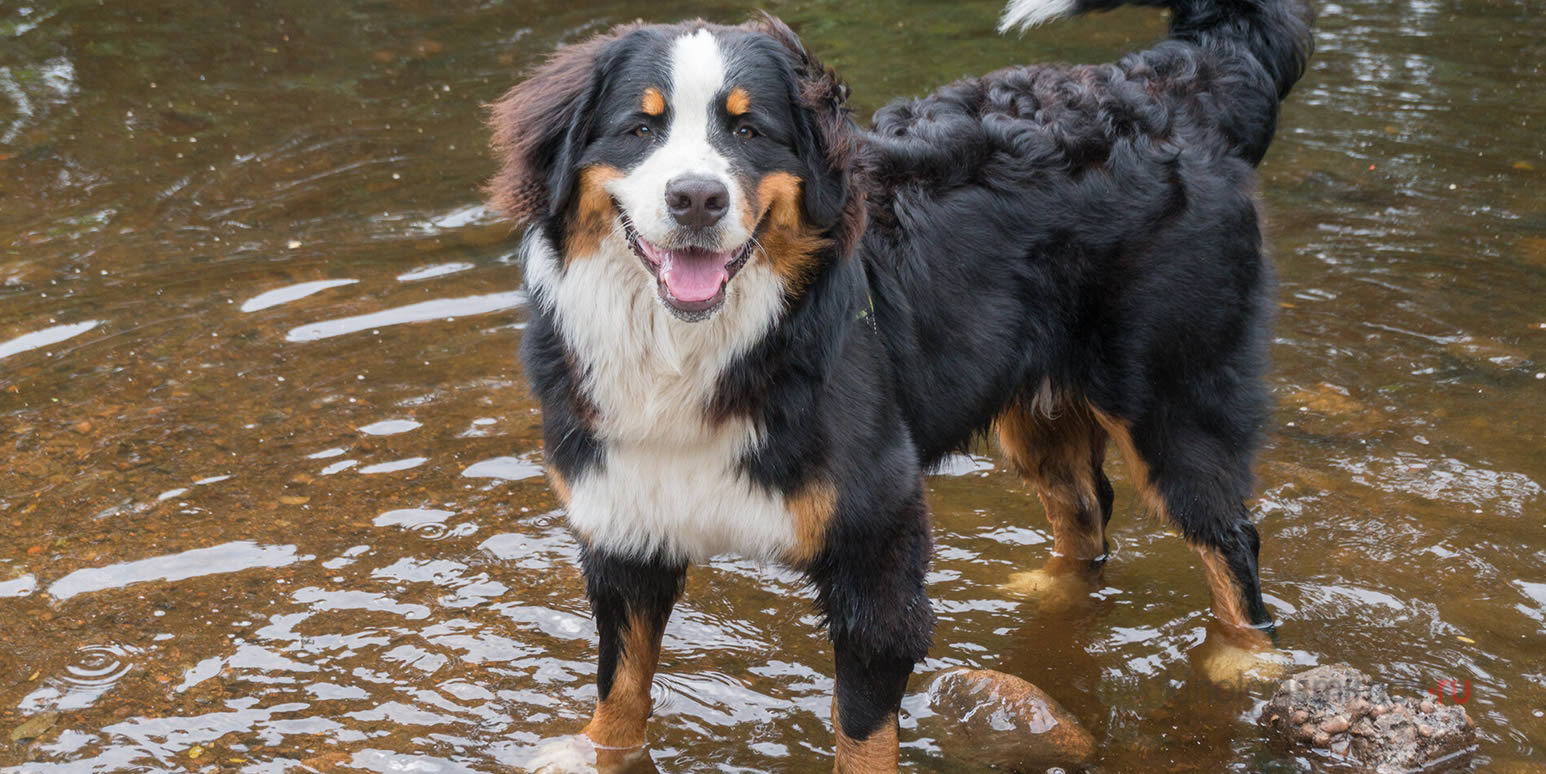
{"x": 693, "y": 148}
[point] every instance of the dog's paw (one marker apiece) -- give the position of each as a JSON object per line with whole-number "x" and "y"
{"x": 1057, "y": 586}
{"x": 565, "y": 755}
{"x": 1238, "y": 658}
{"x": 576, "y": 754}
{"x": 1036, "y": 584}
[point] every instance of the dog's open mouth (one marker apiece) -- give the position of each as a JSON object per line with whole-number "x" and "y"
{"x": 691, "y": 280}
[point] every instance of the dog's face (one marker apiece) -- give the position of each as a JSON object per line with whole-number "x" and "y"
{"x": 697, "y": 147}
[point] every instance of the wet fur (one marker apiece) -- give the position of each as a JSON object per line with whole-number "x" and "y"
{"x": 1036, "y": 243}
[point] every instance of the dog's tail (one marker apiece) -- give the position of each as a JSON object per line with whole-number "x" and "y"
{"x": 1261, "y": 48}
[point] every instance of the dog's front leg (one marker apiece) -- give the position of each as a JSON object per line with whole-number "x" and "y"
{"x": 631, "y": 599}
{"x": 870, "y": 584}
{"x": 864, "y": 709}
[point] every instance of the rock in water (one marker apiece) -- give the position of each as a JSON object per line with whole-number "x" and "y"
{"x": 1001, "y": 721}
{"x": 1341, "y": 713}
{"x": 35, "y": 727}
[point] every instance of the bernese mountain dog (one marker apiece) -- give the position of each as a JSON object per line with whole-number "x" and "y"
{"x": 756, "y": 323}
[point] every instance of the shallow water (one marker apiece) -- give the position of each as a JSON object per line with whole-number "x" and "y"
{"x": 272, "y": 494}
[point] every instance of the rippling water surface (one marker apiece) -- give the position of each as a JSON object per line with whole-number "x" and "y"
{"x": 272, "y": 498}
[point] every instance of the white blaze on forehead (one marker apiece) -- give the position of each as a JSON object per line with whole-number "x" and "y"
{"x": 697, "y": 78}
{"x": 697, "y": 74}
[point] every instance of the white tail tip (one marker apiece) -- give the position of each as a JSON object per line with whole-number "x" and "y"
{"x": 1025, "y": 14}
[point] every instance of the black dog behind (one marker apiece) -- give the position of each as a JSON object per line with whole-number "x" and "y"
{"x": 755, "y": 323}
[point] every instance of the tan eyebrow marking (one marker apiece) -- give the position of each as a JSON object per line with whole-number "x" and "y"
{"x": 738, "y": 102}
{"x": 654, "y": 102}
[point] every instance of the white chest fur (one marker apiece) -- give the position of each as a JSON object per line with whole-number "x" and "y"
{"x": 669, "y": 480}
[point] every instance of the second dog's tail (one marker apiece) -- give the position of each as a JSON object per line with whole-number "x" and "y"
{"x": 1262, "y": 47}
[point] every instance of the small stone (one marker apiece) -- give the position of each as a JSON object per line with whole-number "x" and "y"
{"x": 1335, "y": 725}
{"x": 1425, "y": 731}
{"x": 326, "y": 762}
{"x": 1427, "y": 707}
{"x": 34, "y": 727}
{"x": 1322, "y": 739}
{"x": 294, "y": 500}
{"x": 1301, "y": 717}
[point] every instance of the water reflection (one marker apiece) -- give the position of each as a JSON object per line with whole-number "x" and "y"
{"x": 18, "y": 587}
{"x": 439, "y": 309}
{"x": 435, "y": 270}
{"x": 45, "y": 337}
{"x": 228, "y": 557}
{"x": 296, "y": 292}
{"x": 504, "y": 468}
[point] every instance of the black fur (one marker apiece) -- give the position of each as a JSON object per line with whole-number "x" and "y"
{"x": 625, "y": 591}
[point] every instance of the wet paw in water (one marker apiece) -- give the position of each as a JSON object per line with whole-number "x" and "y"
{"x": 1060, "y": 584}
{"x": 576, "y": 754}
{"x": 1230, "y": 657}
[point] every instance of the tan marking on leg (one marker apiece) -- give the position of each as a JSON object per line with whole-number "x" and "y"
{"x": 621, "y": 717}
{"x": 787, "y": 241}
{"x": 811, "y": 508}
{"x": 654, "y": 103}
{"x": 559, "y": 485}
{"x": 1153, "y": 501}
{"x": 593, "y": 215}
{"x": 1058, "y": 456}
{"x": 1228, "y": 599}
{"x": 738, "y": 102}
{"x": 876, "y": 754}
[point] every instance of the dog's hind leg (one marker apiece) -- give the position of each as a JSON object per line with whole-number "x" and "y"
{"x": 1060, "y": 449}
{"x": 1194, "y": 468}
{"x": 631, "y": 600}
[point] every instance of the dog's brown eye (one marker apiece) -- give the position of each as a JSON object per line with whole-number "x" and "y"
{"x": 745, "y": 132}
{"x": 643, "y": 130}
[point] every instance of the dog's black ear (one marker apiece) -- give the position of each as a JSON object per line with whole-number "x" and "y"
{"x": 826, "y": 186}
{"x": 825, "y": 137}
{"x": 539, "y": 129}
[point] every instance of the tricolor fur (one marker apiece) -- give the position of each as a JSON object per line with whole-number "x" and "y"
{"x": 756, "y": 323}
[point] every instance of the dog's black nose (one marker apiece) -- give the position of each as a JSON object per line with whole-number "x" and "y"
{"x": 697, "y": 202}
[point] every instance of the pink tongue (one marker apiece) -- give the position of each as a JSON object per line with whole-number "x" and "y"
{"x": 694, "y": 275}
